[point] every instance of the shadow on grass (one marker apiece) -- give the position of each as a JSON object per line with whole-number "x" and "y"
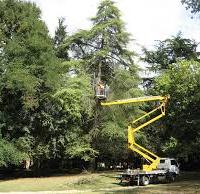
{"x": 7, "y": 175}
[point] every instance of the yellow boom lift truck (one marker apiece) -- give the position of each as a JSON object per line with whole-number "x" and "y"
{"x": 158, "y": 169}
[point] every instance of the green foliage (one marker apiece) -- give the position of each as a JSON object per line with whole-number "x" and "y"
{"x": 104, "y": 46}
{"x": 125, "y": 83}
{"x": 74, "y": 101}
{"x": 80, "y": 147}
{"x": 75, "y": 98}
{"x": 10, "y": 155}
{"x": 26, "y": 50}
{"x": 170, "y": 145}
{"x": 110, "y": 137}
{"x": 175, "y": 61}
{"x": 59, "y": 38}
{"x": 182, "y": 81}
{"x": 170, "y": 51}
{"x": 29, "y": 75}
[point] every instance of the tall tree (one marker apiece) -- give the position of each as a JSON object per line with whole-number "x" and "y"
{"x": 59, "y": 38}
{"x": 181, "y": 81}
{"x": 177, "y": 77}
{"x": 29, "y": 76}
{"x": 103, "y": 51}
{"x": 104, "y": 46}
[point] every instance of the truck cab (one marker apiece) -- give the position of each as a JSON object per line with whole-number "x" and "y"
{"x": 169, "y": 164}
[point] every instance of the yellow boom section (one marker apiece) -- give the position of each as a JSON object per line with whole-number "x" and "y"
{"x": 134, "y": 100}
{"x": 153, "y": 159}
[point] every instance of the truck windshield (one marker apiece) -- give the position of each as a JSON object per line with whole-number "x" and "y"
{"x": 173, "y": 162}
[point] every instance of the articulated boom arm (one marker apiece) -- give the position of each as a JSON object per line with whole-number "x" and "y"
{"x": 153, "y": 159}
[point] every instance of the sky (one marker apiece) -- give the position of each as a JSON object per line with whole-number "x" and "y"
{"x": 146, "y": 20}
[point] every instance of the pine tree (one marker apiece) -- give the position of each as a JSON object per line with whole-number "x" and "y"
{"x": 104, "y": 46}
{"x": 59, "y": 38}
{"x": 103, "y": 51}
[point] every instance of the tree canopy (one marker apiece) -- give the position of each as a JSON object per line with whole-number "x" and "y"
{"x": 181, "y": 82}
{"x": 104, "y": 46}
{"x": 170, "y": 51}
{"x": 176, "y": 62}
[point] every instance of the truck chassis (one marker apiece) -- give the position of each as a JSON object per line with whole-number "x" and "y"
{"x": 141, "y": 177}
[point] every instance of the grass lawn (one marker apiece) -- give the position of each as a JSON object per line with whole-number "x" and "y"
{"x": 99, "y": 183}
{"x": 64, "y": 182}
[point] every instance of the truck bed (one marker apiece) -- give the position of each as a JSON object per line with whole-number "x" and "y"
{"x": 142, "y": 177}
{"x": 142, "y": 172}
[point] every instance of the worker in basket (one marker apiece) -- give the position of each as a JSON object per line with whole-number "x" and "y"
{"x": 100, "y": 90}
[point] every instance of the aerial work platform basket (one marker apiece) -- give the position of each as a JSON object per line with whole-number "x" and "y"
{"x": 101, "y": 91}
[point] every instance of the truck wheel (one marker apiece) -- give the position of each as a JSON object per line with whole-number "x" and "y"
{"x": 144, "y": 180}
{"x": 170, "y": 177}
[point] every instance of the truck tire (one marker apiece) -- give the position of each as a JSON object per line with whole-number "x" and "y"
{"x": 170, "y": 177}
{"x": 144, "y": 180}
